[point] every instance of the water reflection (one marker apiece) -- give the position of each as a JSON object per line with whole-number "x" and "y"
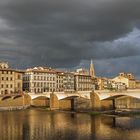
{"x": 42, "y": 125}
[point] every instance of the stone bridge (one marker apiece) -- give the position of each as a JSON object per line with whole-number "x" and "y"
{"x": 84, "y": 99}
{"x": 13, "y": 96}
{"x": 14, "y": 101}
{"x": 62, "y": 95}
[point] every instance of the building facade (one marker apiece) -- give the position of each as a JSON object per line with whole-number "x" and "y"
{"x": 83, "y": 82}
{"x": 127, "y": 78}
{"x": 137, "y": 84}
{"x": 42, "y": 79}
{"x": 59, "y": 81}
{"x": 109, "y": 84}
{"x": 10, "y": 80}
{"x": 39, "y": 80}
{"x": 68, "y": 82}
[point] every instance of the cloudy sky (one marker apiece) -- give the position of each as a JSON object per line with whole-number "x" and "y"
{"x": 69, "y": 33}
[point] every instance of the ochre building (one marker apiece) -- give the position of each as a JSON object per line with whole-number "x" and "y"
{"x": 10, "y": 80}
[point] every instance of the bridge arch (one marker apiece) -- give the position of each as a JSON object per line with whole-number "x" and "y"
{"x": 40, "y": 101}
{"x": 5, "y": 98}
{"x": 115, "y": 96}
{"x": 35, "y": 96}
{"x": 40, "y": 97}
{"x": 17, "y": 96}
{"x": 69, "y": 97}
{"x": 118, "y": 100}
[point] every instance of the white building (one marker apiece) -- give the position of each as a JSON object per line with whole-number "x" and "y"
{"x": 39, "y": 80}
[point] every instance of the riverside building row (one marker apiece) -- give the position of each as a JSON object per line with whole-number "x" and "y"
{"x": 43, "y": 79}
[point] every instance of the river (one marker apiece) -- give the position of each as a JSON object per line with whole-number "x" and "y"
{"x": 35, "y": 124}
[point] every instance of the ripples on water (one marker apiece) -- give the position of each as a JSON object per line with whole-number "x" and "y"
{"x": 43, "y": 125}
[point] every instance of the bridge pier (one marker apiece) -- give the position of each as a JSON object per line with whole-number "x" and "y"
{"x": 95, "y": 101}
{"x": 54, "y": 102}
{"x": 72, "y": 105}
{"x": 114, "y": 105}
{"x": 98, "y": 105}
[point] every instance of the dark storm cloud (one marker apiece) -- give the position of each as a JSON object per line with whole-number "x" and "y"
{"x": 62, "y": 33}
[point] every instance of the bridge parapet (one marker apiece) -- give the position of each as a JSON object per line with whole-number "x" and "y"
{"x": 105, "y": 94}
{"x": 62, "y": 95}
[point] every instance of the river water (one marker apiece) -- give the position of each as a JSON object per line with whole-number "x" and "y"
{"x": 37, "y": 124}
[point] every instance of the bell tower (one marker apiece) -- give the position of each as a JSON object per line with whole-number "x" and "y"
{"x": 91, "y": 69}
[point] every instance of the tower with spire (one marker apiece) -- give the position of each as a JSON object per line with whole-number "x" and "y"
{"x": 91, "y": 69}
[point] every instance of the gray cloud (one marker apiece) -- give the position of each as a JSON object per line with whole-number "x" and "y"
{"x": 63, "y": 33}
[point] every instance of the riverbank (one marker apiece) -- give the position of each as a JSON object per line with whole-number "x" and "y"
{"x": 124, "y": 112}
{"x": 12, "y": 108}
{"x": 127, "y": 112}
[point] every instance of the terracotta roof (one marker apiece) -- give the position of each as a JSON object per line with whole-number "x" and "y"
{"x": 47, "y": 70}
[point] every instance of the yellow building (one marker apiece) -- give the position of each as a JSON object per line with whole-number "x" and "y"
{"x": 122, "y": 79}
{"x": 83, "y": 82}
{"x": 127, "y": 78}
{"x": 100, "y": 83}
{"x": 10, "y": 80}
{"x": 137, "y": 84}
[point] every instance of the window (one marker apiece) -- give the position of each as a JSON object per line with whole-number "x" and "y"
{"x": 11, "y": 91}
{"x": 34, "y": 84}
{"x": 7, "y": 78}
{"x": 2, "y": 86}
{"x": 18, "y": 85}
{"x": 2, "y": 78}
{"x": 11, "y": 78}
{"x": 6, "y": 86}
{"x": 11, "y": 86}
{"x": 41, "y": 84}
{"x": 19, "y": 77}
